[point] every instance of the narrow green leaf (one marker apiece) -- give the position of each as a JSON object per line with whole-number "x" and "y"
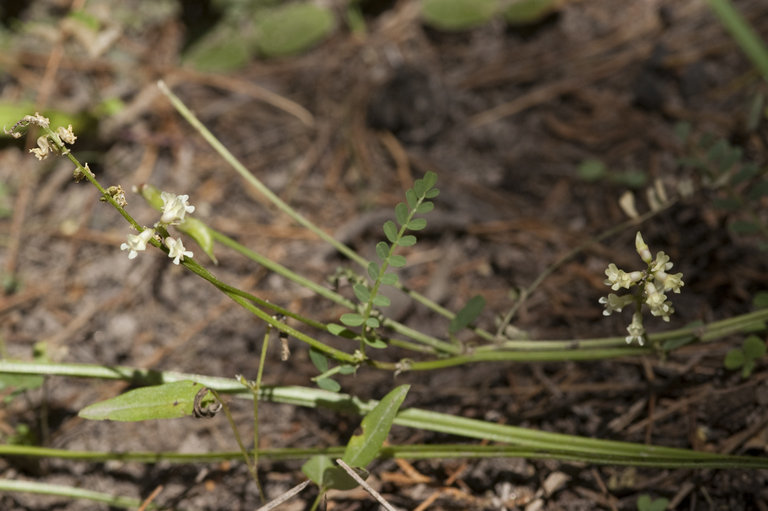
{"x": 362, "y": 449}
{"x": 351, "y": 319}
{"x": 376, "y": 343}
{"x": 467, "y": 314}
{"x": 319, "y": 360}
{"x": 166, "y": 401}
{"x": 361, "y": 292}
{"x": 417, "y": 224}
{"x": 19, "y": 382}
{"x": 401, "y": 213}
{"x": 381, "y": 301}
{"x": 382, "y": 250}
{"x": 408, "y": 240}
{"x": 390, "y": 231}
{"x": 397, "y": 261}
{"x": 389, "y": 279}
{"x": 425, "y": 207}
{"x": 347, "y": 369}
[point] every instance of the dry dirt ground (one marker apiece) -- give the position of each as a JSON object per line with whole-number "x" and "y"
{"x": 504, "y": 116}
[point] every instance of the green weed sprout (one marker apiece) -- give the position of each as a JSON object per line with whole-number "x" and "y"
{"x": 650, "y": 284}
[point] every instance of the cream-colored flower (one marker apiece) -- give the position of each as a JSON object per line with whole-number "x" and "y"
{"x": 615, "y": 303}
{"x": 175, "y": 207}
{"x": 642, "y": 248}
{"x": 137, "y": 242}
{"x": 66, "y": 134}
{"x": 176, "y": 250}
{"x": 42, "y": 149}
{"x": 636, "y": 330}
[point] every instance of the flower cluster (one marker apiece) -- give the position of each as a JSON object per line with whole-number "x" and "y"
{"x": 175, "y": 208}
{"x": 653, "y": 283}
{"x": 48, "y": 142}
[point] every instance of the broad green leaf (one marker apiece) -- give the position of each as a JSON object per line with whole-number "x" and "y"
{"x": 397, "y": 261}
{"x": 351, "y": 319}
{"x": 410, "y": 197}
{"x": 372, "y": 323}
{"x": 224, "y": 48}
{"x": 734, "y": 358}
{"x": 754, "y": 347}
{"x": 429, "y": 180}
{"x": 526, "y": 12}
{"x": 467, "y": 314}
{"x": 425, "y": 207}
{"x": 408, "y": 240}
{"x": 381, "y": 301}
{"x": 314, "y": 467}
{"x": 431, "y": 194}
{"x": 760, "y": 300}
{"x": 361, "y": 292}
{"x": 328, "y": 384}
{"x": 198, "y": 231}
{"x": 373, "y": 270}
{"x": 382, "y": 250}
{"x": 401, "y": 213}
{"x": 376, "y": 343}
{"x": 362, "y": 449}
{"x": 389, "y": 279}
{"x": 319, "y": 360}
{"x": 166, "y": 401}
{"x": 390, "y": 231}
{"x": 347, "y": 369}
{"x": 293, "y": 28}
{"x": 417, "y": 224}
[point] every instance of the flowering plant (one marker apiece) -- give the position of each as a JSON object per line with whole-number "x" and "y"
{"x": 651, "y": 283}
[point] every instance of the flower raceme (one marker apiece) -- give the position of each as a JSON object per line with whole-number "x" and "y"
{"x": 652, "y": 284}
{"x": 175, "y": 209}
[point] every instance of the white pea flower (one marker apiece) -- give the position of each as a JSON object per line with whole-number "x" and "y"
{"x": 670, "y": 282}
{"x": 42, "y": 149}
{"x": 137, "y": 242}
{"x": 615, "y": 303}
{"x": 66, "y": 134}
{"x": 175, "y": 207}
{"x": 176, "y": 250}
{"x": 636, "y": 329}
{"x": 619, "y": 278}
{"x": 642, "y": 248}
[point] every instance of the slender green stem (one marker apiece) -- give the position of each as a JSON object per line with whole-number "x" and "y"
{"x": 287, "y": 209}
{"x": 9, "y": 485}
{"x": 609, "y": 451}
{"x": 744, "y": 35}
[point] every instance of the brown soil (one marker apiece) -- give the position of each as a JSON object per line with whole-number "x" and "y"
{"x": 504, "y": 116}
